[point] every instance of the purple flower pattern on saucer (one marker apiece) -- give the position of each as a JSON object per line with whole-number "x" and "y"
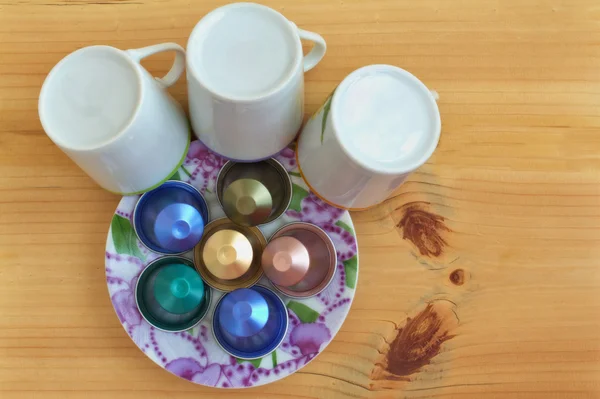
{"x": 308, "y": 337}
{"x": 287, "y": 158}
{"x": 194, "y": 354}
{"x": 201, "y": 167}
{"x": 313, "y": 210}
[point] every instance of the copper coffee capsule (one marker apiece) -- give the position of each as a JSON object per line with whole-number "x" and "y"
{"x": 286, "y": 264}
{"x": 254, "y": 193}
{"x": 285, "y": 261}
{"x": 228, "y": 256}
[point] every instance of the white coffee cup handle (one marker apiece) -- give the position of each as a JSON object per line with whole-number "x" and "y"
{"x": 318, "y": 51}
{"x": 178, "y": 66}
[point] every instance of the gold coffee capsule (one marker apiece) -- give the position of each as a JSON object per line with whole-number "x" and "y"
{"x": 229, "y": 255}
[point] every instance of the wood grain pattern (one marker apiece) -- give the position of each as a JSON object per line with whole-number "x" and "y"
{"x": 508, "y": 307}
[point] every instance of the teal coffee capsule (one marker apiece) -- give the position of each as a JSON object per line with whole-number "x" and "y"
{"x": 171, "y": 295}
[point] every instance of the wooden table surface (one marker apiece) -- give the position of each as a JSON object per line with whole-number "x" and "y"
{"x": 479, "y": 278}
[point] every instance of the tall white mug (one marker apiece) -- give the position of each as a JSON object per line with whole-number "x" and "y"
{"x": 379, "y": 125}
{"x": 117, "y": 122}
{"x": 245, "y": 73}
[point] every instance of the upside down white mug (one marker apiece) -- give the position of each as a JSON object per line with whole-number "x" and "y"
{"x": 116, "y": 121}
{"x": 245, "y": 72}
{"x": 379, "y": 124}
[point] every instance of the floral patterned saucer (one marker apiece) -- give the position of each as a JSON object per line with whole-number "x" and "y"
{"x": 194, "y": 354}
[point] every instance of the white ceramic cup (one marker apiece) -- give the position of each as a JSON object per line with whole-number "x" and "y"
{"x": 380, "y": 124}
{"x": 116, "y": 121}
{"x": 245, "y": 72}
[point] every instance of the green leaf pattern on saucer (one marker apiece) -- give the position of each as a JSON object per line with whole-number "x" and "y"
{"x": 325, "y": 108}
{"x": 124, "y": 237}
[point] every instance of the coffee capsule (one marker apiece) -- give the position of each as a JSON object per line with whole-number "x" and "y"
{"x": 228, "y": 256}
{"x": 250, "y": 323}
{"x": 314, "y": 275}
{"x": 285, "y": 261}
{"x": 170, "y": 219}
{"x": 171, "y": 295}
{"x": 254, "y": 193}
{"x": 178, "y": 288}
{"x": 248, "y": 201}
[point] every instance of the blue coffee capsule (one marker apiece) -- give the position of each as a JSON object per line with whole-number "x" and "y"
{"x": 171, "y": 295}
{"x": 250, "y": 323}
{"x": 170, "y": 219}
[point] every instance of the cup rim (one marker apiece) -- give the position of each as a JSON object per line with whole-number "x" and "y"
{"x": 288, "y": 25}
{"x": 406, "y": 167}
{"x": 43, "y": 99}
